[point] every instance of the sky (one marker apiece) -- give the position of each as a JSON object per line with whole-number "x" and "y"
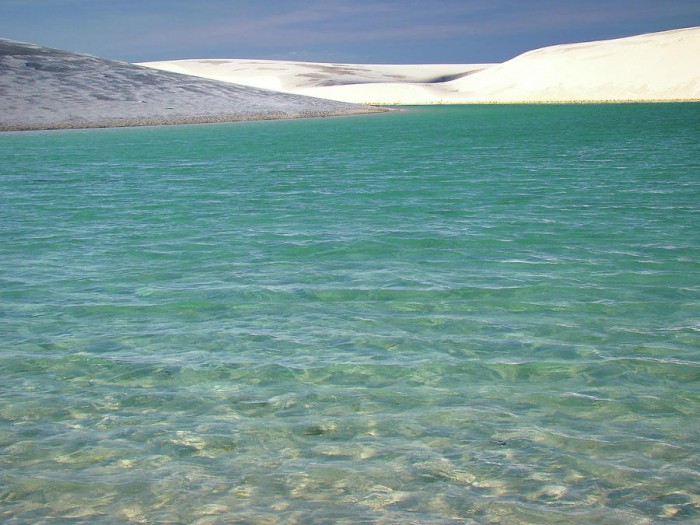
{"x": 355, "y": 31}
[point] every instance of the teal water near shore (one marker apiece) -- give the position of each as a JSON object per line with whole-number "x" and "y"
{"x": 476, "y": 314}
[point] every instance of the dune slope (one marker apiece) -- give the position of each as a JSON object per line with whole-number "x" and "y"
{"x": 43, "y": 88}
{"x": 651, "y": 67}
{"x": 293, "y": 77}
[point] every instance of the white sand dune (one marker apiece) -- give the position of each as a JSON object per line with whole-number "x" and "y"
{"x": 294, "y": 77}
{"x": 44, "y": 88}
{"x": 661, "y": 66}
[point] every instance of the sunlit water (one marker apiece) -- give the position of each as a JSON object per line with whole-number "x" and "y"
{"x": 443, "y": 315}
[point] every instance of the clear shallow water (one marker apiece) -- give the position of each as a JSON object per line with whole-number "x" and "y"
{"x": 445, "y": 315}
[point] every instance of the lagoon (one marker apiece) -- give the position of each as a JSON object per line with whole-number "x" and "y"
{"x": 457, "y": 314}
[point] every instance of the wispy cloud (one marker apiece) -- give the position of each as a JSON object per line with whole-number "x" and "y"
{"x": 151, "y": 29}
{"x": 295, "y": 23}
{"x": 333, "y": 22}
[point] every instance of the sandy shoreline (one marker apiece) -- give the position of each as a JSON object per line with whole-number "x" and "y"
{"x": 543, "y": 103}
{"x": 184, "y": 121}
{"x": 267, "y": 117}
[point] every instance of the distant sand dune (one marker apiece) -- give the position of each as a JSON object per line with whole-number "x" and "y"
{"x": 293, "y": 77}
{"x": 652, "y": 67}
{"x": 42, "y": 88}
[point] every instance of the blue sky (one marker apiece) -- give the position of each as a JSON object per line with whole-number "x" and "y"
{"x": 369, "y": 31}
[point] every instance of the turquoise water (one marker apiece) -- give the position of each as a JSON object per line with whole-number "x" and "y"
{"x": 443, "y": 315}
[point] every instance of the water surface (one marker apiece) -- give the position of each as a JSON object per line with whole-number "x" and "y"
{"x": 476, "y": 314}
